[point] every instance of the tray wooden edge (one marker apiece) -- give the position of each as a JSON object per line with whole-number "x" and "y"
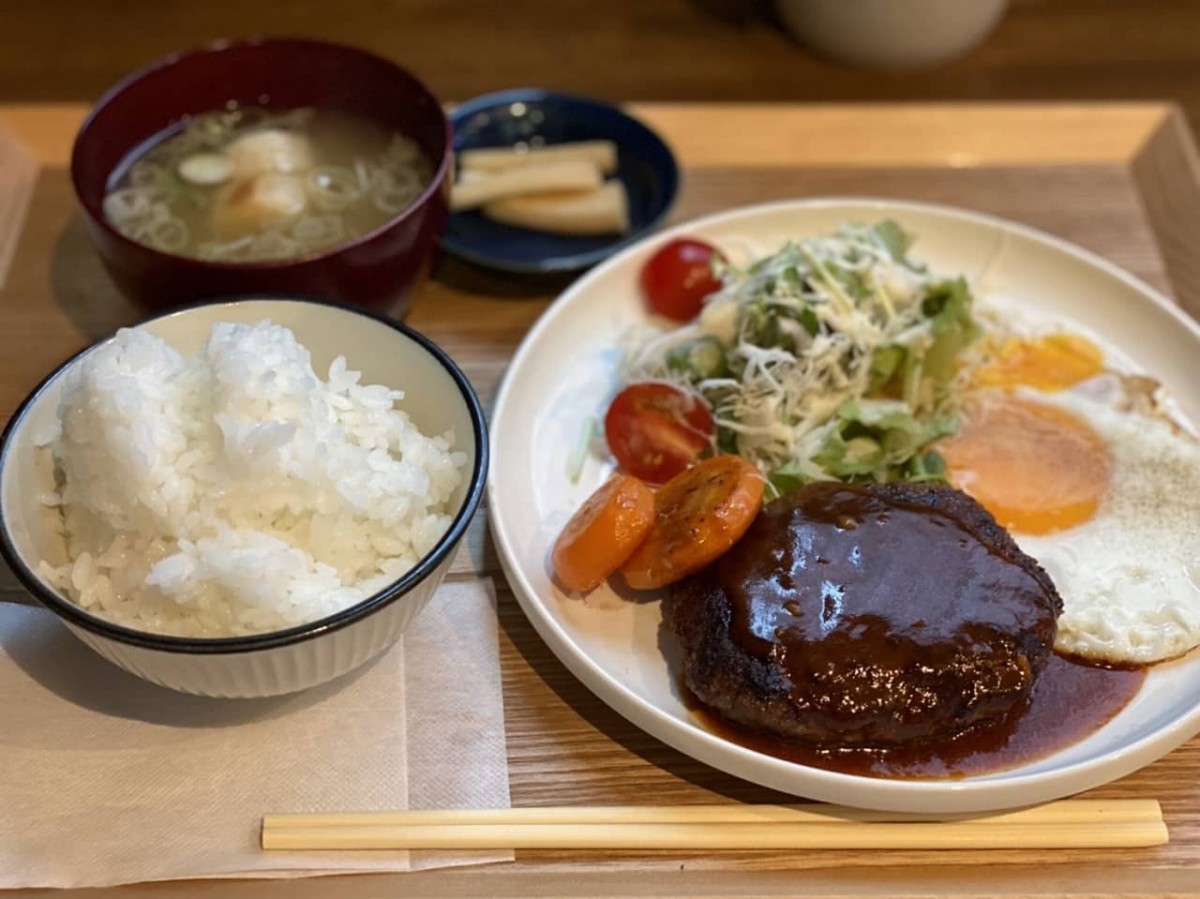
{"x": 518, "y": 881}
{"x": 917, "y": 134}
{"x": 1166, "y": 169}
{"x": 792, "y": 134}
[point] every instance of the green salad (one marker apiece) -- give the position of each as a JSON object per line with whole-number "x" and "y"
{"x": 831, "y": 360}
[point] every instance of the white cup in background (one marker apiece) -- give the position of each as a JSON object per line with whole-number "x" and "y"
{"x": 891, "y": 33}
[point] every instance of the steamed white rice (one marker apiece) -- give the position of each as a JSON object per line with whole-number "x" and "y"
{"x": 235, "y": 492}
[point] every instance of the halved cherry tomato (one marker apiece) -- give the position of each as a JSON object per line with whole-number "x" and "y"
{"x": 656, "y": 430}
{"x": 678, "y": 277}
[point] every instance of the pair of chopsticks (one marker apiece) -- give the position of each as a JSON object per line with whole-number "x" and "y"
{"x": 1069, "y": 824}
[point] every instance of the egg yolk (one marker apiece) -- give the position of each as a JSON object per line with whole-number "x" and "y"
{"x": 1053, "y": 362}
{"x": 1036, "y": 468}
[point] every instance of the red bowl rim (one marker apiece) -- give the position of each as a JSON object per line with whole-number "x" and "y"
{"x": 96, "y": 214}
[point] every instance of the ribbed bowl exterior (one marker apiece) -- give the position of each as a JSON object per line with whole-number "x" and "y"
{"x": 278, "y": 670}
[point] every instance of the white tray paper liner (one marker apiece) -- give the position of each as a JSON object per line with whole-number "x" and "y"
{"x": 107, "y": 779}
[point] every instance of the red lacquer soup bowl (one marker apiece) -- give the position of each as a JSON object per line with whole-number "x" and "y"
{"x": 379, "y": 269}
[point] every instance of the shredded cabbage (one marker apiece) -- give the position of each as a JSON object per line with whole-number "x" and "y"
{"x": 830, "y": 360}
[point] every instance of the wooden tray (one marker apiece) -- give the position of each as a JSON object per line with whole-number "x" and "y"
{"x": 1119, "y": 179}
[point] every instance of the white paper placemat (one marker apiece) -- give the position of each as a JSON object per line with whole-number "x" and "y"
{"x": 106, "y": 779}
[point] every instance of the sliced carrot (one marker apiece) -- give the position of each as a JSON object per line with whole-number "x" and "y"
{"x": 602, "y": 534}
{"x": 699, "y": 514}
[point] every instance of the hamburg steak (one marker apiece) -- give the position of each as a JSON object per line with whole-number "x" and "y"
{"x": 867, "y": 615}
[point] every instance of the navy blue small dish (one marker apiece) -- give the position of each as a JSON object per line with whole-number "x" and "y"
{"x": 529, "y": 115}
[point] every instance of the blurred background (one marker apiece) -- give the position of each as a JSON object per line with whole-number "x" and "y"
{"x": 627, "y": 49}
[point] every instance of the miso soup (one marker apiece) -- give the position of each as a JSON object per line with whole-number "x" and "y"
{"x": 251, "y": 184}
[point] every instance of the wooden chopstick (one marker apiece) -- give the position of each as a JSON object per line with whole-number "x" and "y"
{"x": 1067, "y": 811}
{"x": 1069, "y": 824}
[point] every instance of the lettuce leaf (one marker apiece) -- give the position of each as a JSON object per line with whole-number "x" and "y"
{"x": 895, "y": 238}
{"x": 948, "y": 308}
{"x": 877, "y": 439}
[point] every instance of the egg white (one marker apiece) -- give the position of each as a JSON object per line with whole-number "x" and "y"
{"x": 1130, "y": 576}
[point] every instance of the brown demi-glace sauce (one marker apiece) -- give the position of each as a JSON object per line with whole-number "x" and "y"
{"x": 1070, "y": 700}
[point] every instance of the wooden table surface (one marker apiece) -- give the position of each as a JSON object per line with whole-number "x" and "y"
{"x": 1118, "y": 179}
{"x": 622, "y": 49}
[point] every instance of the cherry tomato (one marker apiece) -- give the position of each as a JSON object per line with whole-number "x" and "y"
{"x": 656, "y": 430}
{"x": 678, "y": 277}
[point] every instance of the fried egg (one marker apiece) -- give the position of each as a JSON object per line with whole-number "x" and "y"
{"x": 1102, "y": 491}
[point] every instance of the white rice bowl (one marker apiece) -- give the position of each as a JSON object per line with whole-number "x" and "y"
{"x": 234, "y": 492}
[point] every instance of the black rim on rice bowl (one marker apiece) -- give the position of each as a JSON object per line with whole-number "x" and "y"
{"x": 77, "y": 615}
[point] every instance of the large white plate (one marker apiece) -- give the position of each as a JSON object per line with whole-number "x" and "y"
{"x": 564, "y": 373}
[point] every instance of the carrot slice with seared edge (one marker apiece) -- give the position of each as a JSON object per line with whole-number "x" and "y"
{"x": 699, "y": 514}
{"x": 602, "y": 534}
